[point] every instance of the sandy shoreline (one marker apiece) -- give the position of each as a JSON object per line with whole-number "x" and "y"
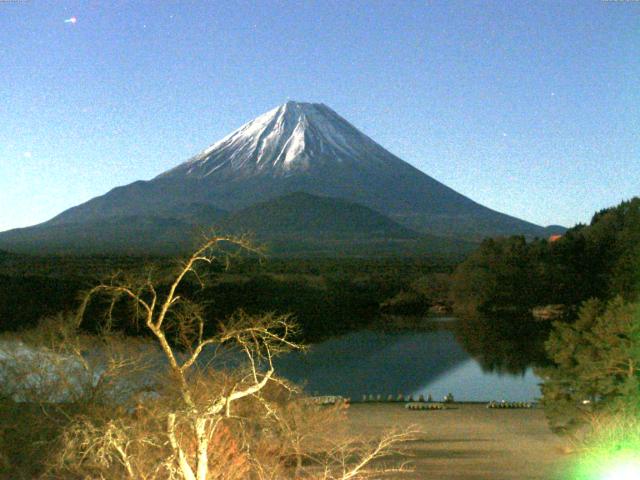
{"x": 469, "y": 442}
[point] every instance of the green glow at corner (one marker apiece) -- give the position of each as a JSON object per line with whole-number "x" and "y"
{"x": 619, "y": 466}
{"x": 628, "y": 470}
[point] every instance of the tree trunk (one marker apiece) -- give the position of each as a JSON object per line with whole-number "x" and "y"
{"x": 203, "y": 448}
{"x": 185, "y": 468}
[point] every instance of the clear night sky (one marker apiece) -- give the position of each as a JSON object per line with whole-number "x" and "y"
{"x": 529, "y": 107}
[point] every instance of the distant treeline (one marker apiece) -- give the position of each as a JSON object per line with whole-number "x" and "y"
{"x": 601, "y": 260}
{"x": 496, "y": 288}
{"x": 325, "y": 296}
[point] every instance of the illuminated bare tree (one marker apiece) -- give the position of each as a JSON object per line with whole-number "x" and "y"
{"x": 198, "y": 422}
{"x": 259, "y": 338}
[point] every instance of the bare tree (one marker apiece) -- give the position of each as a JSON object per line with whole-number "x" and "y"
{"x": 259, "y": 338}
{"x": 196, "y": 420}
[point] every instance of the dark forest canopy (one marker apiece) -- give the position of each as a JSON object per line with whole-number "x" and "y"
{"x": 326, "y": 296}
{"x": 600, "y": 260}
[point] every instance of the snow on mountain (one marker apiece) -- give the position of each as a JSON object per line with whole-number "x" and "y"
{"x": 296, "y": 147}
{"x": 292, "y": 138}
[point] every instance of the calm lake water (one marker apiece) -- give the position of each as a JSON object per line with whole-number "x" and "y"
{"x": 410, "y": 362}
{"x": 428, "y": 361}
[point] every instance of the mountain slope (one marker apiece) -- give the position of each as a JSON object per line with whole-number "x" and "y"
{"x": 300, "y": 224}
{"x": 296, "y": 147}
{"x": 304, "y": 216}
{"x": 136, "y": 234}
{"x": 297, "y": 224}
{"x": 169, "y": 230}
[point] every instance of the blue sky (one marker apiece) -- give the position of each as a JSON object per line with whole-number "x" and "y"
{"x": 529, "y": 107}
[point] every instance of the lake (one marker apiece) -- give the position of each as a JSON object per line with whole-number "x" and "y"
{"x": 428, "y": 360}
{"x": 421, "y": 362}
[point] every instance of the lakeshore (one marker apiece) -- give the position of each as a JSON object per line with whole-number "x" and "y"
{"x": 468, "y": 441}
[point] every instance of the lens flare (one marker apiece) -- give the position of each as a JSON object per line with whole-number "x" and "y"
{"x": 607, "y": 466}
{"x": 627, "y": 470}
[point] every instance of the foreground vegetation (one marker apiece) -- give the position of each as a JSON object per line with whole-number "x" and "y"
{"x": 150, "y": 407}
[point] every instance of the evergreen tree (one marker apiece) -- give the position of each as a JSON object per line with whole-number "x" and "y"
{"x": 601, "y": 260}
{"x": 501, "y": 275}
{"x": 597, "y": 364}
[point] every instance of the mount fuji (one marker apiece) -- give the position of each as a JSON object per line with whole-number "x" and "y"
{"x": 294, "y": 148}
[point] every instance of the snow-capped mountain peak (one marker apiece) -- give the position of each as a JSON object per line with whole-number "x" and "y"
{"x": 295, "y": 148}
{"x": 293, "y": 137}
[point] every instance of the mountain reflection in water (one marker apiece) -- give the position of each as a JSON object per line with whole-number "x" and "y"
{"x": 430, "y": 360}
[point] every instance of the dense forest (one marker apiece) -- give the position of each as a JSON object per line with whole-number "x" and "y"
{"x": 590, "y": 355}
{"x": 325, "y": 296}
{"x": 601, "y": 260}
